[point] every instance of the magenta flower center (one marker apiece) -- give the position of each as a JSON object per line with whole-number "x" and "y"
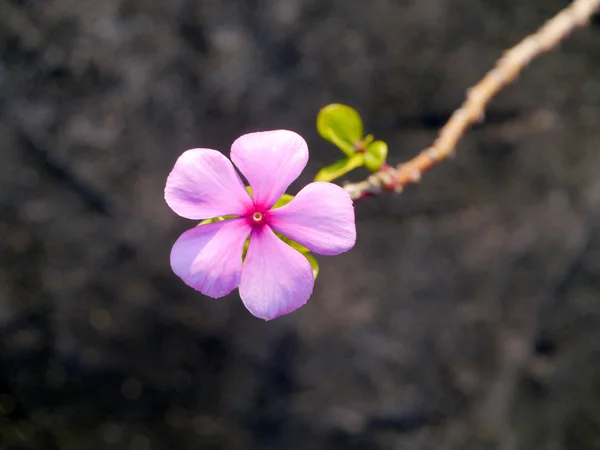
{"x": 256, "y": 217}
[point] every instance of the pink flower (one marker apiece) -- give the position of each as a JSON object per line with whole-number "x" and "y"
{"x": 274, "y": 278}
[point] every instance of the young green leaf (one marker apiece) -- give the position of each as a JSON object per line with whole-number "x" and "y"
{"x": 313, "y": 263}
{"x": 375, "y": 156}
{"x": 283, "y": 200}
{"x": 340, "y": 125}
{"x": 216, "y": 219}
{"x": 341, "y": 167}
{"x": 293, "y": 244}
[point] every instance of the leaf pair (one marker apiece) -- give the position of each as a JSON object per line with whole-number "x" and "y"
{"x": 342, "y": 126}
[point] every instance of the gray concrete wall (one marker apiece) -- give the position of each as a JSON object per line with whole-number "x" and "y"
{"x": 466, "y": 317}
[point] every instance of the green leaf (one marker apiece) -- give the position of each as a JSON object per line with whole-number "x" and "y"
{"x": 306, "y": 252}
{"x": 375, "y": 156}
{"x": 341, "y": 167}
{"x": 313, "y": 263}
{"x": 283, "y": 200}
{"x": 292, "y": 244}
{"x": 245, "y": 250}
{"x": 216, "y": 219}
{"x": 340, "y": 125}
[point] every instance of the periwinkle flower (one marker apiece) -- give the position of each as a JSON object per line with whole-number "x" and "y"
{"x": 273, "y": 278}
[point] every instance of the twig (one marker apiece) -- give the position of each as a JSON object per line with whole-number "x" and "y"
{"x": 506, "y": 70}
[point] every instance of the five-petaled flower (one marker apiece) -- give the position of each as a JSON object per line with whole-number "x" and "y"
{"x": 273, "y": 278}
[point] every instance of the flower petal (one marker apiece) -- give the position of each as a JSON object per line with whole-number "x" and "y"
{"x": 276, "y": 279}
{"x": 209, "y": 257}
{"x": 204, "y": 184}
{"x": 270, "y": 161}
{"x": 320, "y": 217}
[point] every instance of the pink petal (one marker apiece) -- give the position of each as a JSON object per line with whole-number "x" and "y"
{"x": 320, "y": 217}
{"x": 270, "y": 161}
{"x": 203, "y": 184}
{"x": 276, "y": 279}
{"x": 209, "y": 257}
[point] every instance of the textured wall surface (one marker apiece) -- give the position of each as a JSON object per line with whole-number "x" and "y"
{"x": 466, "y": 317}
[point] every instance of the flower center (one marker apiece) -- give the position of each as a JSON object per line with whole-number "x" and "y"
{"x": 257, "y": 217}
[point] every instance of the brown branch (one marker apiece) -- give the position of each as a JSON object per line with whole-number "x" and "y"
{"x": 506, "y": 70}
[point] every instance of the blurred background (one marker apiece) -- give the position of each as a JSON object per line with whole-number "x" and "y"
{"x": 466, "y": 317}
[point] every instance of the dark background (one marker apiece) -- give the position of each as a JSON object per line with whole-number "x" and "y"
{"x": 466, "y": 317}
